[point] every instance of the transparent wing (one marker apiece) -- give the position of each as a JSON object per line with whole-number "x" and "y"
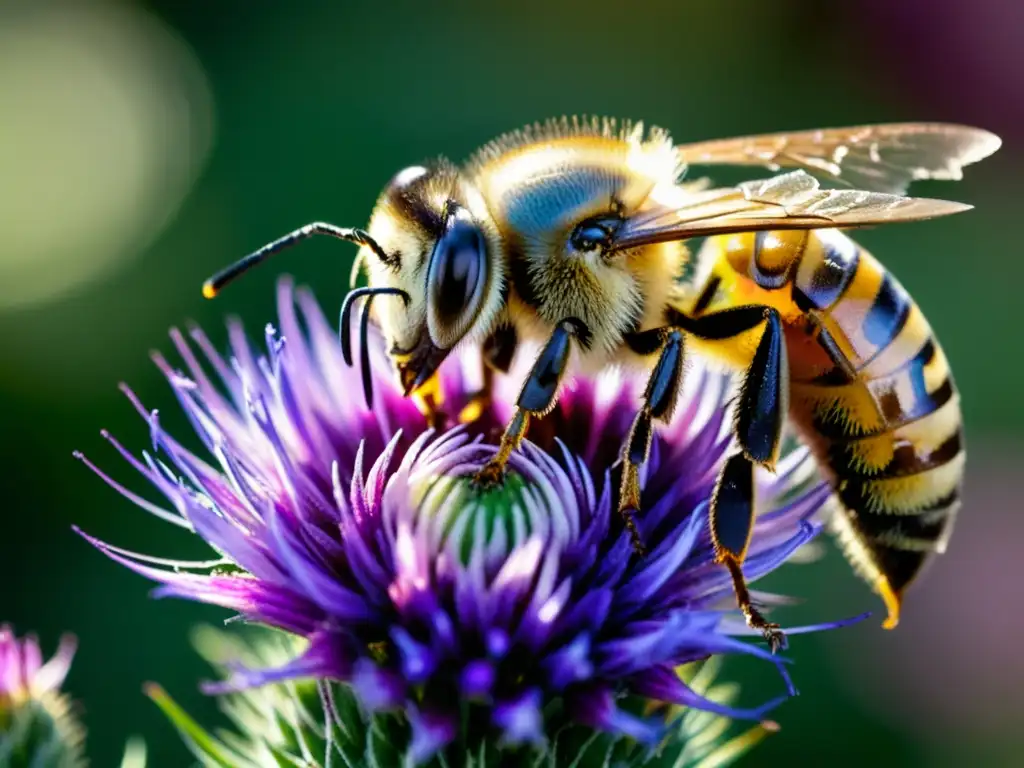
{"x": 879, "y": 158}
{"x": 792, "y": 200}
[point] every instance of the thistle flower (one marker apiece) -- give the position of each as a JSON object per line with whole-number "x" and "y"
{"x": 526, "y": 607}
{"x": 37, "y": 726}
{"x": 293, "y": 722}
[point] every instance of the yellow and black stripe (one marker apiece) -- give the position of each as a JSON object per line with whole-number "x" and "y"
{"x": 875, "y": 398}
{"x": 892, "y": 438}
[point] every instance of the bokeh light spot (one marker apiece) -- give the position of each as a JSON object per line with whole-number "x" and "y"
{"x": 107, "y": 119}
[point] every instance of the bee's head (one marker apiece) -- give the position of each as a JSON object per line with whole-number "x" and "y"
{"x": 443, "y": 253}
{"x": 433, "y": 258}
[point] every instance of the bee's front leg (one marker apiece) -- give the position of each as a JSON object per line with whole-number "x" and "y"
{"x": 536, "y": 398}
{"x": 658, "y": 403}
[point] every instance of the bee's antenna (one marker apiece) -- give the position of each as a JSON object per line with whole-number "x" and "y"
{"x": 345, "y": 321}
{"x": 345, "y": 318}
{"x": 364, "y": 352}
{"x": 215, "y": 284}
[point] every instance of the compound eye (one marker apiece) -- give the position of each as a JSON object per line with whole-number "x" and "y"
{"x": 595, "y": 233}
{"x": 456, "y": 279}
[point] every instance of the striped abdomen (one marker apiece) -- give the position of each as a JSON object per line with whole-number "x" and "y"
{"x": 886, "y": 427}
{"x": 892, "y": 438}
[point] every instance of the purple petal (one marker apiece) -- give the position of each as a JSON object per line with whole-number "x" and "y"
{"x": 256, "y": 600}
{"x": 498, "y": 643}
{"x": 663, "y": 684}
{"x": 569, "y": 664}
{"x": 588, "y": 613}
{"x": 710, "y": 576}
{"x": 477, "y": 678}
{"x": 325, "y": 658}
{"x": 431, "y": 731}
{"x": 739, "y": 628}
{"x": 50, "y": 676}
{"x": 377, "y": 688}
{"x": 418, "y": 661}
{"x": 520, "y": 718}
{"x": 595, "y": 707}
{"x": 660, "y": 565}
{"x": 333, "y": 597}
{"x": 153, "y": 509}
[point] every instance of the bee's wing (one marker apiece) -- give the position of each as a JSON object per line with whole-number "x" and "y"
{"x": 880, "y": 158}
{"x": 792, "y": 200}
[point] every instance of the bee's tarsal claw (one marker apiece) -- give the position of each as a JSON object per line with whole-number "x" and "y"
{"x": 773, "y": 634}
{"x": 491, "y": 475}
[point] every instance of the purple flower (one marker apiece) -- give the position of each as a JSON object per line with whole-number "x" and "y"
{"x": 23, "y": 674}
{"x": 360, "y": 531}
{"x": 37, "y": 723}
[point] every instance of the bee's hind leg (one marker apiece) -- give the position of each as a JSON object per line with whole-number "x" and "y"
{"x": 658, "y": 403}
{"x": 732, "y": 521}
{"x": 763, "y": 402}
{"x": 536, "y": 398}
{"x": 760, "y": 414}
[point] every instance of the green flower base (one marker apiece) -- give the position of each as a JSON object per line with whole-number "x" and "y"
{"x": 40, "y": 733}
{"x": 322, "y": 725}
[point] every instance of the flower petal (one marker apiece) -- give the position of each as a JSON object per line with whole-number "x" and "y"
{"x": 432, "y": 730}
{"x": 50, "y": 676}
{"x": 663, "y": 684}
{"x": 477, "y": 678}
{"x": 418, "y": 660}
{"x": 595, "y": 706}
{"x": 569, "y": 664}
{"x": 520, "y": 718}
{"x": 325, "y": 658}
{"x": 377, "y": 688}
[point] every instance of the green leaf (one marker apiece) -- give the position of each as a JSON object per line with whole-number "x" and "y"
{"x": 380, "y": 750}
{"x": 285, "y": 760}
{"x": 203, "y": 745}
{"x": 729, "y": 752}
{"x": 594, "y": 737}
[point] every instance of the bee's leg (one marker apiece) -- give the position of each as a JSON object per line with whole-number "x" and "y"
{"x": 536, "y": 398}
{"x": 845, "y": 371}
{"x": 732, "y": 521}
{"x": 764, "y": 393}
{"x": 658, "y": 403}
{"x": 496, "y": 353}
{"x": 835, "y": 353}
{"x": 760, "y": 414}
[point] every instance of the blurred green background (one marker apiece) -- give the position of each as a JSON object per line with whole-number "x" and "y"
{"x": 143, "y": 145}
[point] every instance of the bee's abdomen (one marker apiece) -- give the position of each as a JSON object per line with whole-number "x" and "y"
{"x": 892, "y": 439}
{"x": 900, "y": 489}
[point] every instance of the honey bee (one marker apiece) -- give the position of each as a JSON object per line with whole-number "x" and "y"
{"x": 570, "y": 234}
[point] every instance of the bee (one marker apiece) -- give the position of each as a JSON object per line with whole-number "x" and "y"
{"x": 571, "y": 234}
